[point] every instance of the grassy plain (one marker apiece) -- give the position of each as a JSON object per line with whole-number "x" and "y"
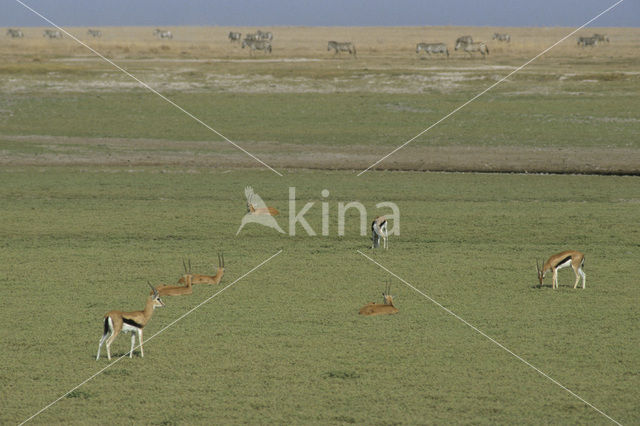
{"x": 104, "y": 186}
{"x": 285, "y": 344}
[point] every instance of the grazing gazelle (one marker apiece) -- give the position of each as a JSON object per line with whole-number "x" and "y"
{"x": 176, "y": 290}
{"x": 379, "y": 230}
{"x": 128, "y": 322}
{"x": 385, "y": 308}
{"x": 572, "y": 258}
{"x": 205, "y": 279}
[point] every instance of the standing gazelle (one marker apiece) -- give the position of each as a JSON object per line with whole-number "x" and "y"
{"x": 572, "y": 258}
{"x": 206, "y": 279}
{"x": 385, "y": 308}
{"x": 129, "y": 322}
{"x": 379, "y": 230}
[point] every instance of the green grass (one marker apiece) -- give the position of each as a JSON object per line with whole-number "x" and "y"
{"x": 285, "y": 344}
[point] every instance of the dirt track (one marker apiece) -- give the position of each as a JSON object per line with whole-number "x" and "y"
{"x": 57, "y": 151}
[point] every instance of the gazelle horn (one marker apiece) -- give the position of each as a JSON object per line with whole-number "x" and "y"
{"x": 155, "y": 292}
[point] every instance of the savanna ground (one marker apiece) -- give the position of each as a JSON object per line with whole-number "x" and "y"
{"x": 105, "y": 186}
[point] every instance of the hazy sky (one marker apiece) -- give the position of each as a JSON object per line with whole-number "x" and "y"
{"x": 541, "y": 13}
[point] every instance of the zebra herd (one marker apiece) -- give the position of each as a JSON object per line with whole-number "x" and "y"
{"x": 464, "y": 43}
{"x": 593, "y": 40}
{"x": 260, "y": 40}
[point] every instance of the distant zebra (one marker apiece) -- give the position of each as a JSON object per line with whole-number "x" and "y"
{"x": 479, "y": 46}
{"x": 52, "y": 34}
{"x": 256, "y": 45}
{"x": 94, "y": 33}
{"x": 502, "y": 37}
{"x": 346, "y": 46}
{"x": 264, "y": 35}
{"x": 233, "y": 36}
{"x": 587, "y": 41}
{"x": 601, "y": 37}
{"x": 430, "y": 48}
{"x": 162, "y": 33}
{"x": 464, "y": 40}
{"x": 251, "y": 37}
{"x": 14, "y": 33}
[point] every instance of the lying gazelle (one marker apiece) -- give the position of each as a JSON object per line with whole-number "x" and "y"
{"x": 176, "y": 290}
{"x": 129, "y": 322}
{"x": 385, "y": 308}
{"x": 572, "y": 258}
{"x": 379, "y": 230}
{"x": 205, "y": 279}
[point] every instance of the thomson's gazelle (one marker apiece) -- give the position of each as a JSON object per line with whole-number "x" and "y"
{"x": 379, "y": 230}
{"x": 572, "y": 258}
{"x": 385, "y": 308}
{"x": 128, "y": 322}
{"x": 205, "y": 279}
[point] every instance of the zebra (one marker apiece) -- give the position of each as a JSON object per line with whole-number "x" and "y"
{"x": 15, "y": 33}
{"x": 601, "y": 37}
{"x": 264, "y": 35}
{"x": 162, "y": 33}
{"x": 251, "y": 37}
{"x": 94, "y": 33}
{"x": 502, "y": 37}
{"x": 464, "y": 40}
{"x": 256, "y": 45}
{"x": 479, "y": 46}
{"x": 587, "y": 41}
{"x": 52, "y": 33}
{"x": 342, "y": 47}
{"x": 233, "y": 36}
{"x": 432, "y": 48}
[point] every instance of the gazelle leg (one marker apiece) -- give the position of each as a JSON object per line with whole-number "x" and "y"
{"x": 584, "y": 277}
{"x": 555, "y": 279}
{"x": 140, "y": 339}
{"x": 104, "y": 337}
{"x": 109, "y": 342}
{"x": 133, "y": 342}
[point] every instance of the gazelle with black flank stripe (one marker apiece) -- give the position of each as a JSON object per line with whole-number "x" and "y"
{"x": 379, "y": 230}
{"x": 129, "y": 322}
{"x": 572, "y": 258}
